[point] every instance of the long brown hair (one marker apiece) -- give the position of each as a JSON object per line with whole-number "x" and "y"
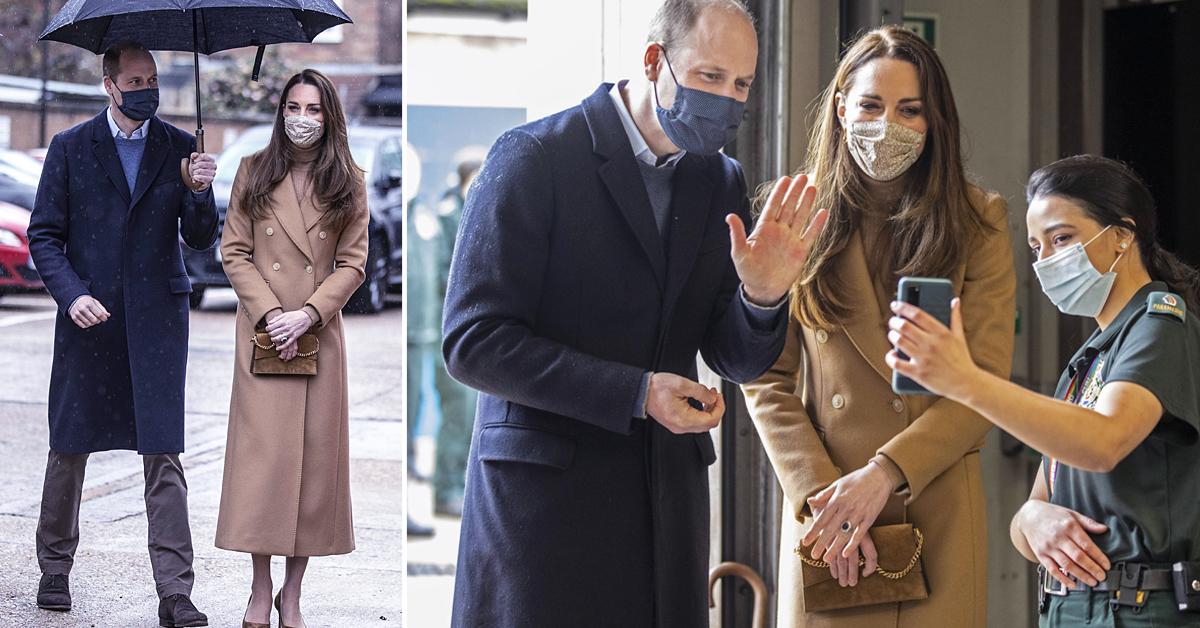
{"x": 934, "y": 223}
{"x": 336, "y": 178}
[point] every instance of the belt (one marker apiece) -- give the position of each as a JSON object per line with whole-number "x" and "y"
{"x": 1129, "y": 584}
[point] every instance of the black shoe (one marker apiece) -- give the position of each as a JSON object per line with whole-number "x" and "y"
{"x": 177, "y": 611}
{"x": 419, "y": 530}
{"x": 54, "y": 593}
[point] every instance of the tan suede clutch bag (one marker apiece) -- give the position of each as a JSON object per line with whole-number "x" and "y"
{"x": 266, "y": 357}
{"x": 900, "y": 576}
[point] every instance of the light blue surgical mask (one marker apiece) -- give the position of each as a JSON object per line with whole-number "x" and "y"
{"x": 698, "y": 121}
{"x": 1072, "y": 283}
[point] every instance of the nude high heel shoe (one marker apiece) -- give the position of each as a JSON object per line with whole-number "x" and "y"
{"x": 250, "y": 624}
{"x": 278, "y": 596}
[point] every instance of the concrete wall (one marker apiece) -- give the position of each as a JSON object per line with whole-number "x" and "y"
{"x": 575, "y": 46}
{"x": 471, "y": 61}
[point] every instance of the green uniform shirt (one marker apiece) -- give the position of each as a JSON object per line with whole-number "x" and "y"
{"x": 1151, "y": 500}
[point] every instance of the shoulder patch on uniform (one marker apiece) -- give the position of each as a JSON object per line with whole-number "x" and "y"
{"x": 1166, "y": 304}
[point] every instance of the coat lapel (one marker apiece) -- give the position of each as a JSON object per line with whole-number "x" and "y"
{"x": 105, "y": 150}
{"x": 866, "y": 326}
{"x": 691, "y": 197}
{"x": 157, "y": 148}
{"x": 286, "y": 208}
{"x": 621, "y": 176}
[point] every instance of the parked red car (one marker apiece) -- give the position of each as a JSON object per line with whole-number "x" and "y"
{"x": 16, "y": 266}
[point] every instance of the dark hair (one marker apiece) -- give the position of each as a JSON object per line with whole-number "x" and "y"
{"x": 336, "y": 178}
{"x": 112, "y": 56}
{"x": 675, "y": 19}
{"x": 935, "y": 224}
{"x": 1113, "y": 195}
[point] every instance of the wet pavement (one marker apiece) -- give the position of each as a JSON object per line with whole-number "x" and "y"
{"x": 111, "y": 582}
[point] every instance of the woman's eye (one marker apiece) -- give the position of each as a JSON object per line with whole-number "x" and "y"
{"x": 1059, "y": 239}
{"x": 911, "y": 112}
{"x": 868, "y": 106}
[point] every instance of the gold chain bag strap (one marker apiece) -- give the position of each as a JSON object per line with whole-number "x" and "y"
{"x": 266, "y": 356}
{"x": 900, "y": 576}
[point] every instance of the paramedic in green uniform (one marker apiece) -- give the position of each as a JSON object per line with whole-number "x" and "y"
{"x": 1117, "y": 501}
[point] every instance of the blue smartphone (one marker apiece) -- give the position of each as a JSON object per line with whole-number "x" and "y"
{"x": 934, "y": 296}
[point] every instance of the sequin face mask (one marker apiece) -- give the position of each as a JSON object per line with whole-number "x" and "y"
{"x": 303, "y": 130}
{"x": 884, "y": 150}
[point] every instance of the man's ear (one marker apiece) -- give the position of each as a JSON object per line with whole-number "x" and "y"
{"x": 652, "y": 61}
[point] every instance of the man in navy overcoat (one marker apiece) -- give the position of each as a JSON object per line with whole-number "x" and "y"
{"x": 104, "y": 234}
{"x": 593, "y": 263}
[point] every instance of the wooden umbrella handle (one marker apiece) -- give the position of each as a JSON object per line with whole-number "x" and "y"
{"x": 185, "y": 172}
{"x": 748, "y": 574}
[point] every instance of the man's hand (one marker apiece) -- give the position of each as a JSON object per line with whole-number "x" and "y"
{"x": 667, "y": 403}
{"x": 86, "y": 311}
{"x": 203, "y": 168}
{"x": 770, "y": 260}
{"x": 285, "y": 331}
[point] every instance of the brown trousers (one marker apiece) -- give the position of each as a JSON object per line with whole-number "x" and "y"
{"x": 170, "y": 538}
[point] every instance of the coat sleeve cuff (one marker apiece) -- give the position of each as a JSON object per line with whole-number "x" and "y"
{"x": 761, "y": 318}
{"x": 639, "y": 406}
{"x": 894, "y": 473}
{"x": 314, "y": 315}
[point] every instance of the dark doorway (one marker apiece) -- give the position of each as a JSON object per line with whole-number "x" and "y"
{"x": 1151, "y": 120}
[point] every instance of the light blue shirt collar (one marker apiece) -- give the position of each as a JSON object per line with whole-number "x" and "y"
{"x": 137, "y": 134}
{"x": 641, "y": 150}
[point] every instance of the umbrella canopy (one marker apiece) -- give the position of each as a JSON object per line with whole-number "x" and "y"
{"x": 199, "y": 26}
{"x": 202, "y": 26}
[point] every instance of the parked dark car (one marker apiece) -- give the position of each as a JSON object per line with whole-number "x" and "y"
{"x": 17, "y": 188}
{"x": 377, "y": 149}
{"x": 16, "y": 266}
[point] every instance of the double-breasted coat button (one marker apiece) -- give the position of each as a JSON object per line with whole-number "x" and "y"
{"x": 322, "y": 235}
{"x": 839, "y": 401}
{"x": 822, "y": 336}
{"x": 270, "y": 231}
{"x": 308, "y": 269}
{"x": 275, "y": 266}
{"x": 1196, "y": 585}
{"x": 898, "y": 404}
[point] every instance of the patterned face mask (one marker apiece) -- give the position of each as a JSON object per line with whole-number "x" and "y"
{"x": 303, "y": 130}
{"x": 884, "y": 150}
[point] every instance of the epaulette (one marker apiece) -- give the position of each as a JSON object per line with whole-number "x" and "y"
{"x": 1167, "y": 305}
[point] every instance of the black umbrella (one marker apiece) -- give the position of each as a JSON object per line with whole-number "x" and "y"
{"x": 206, "y": 26}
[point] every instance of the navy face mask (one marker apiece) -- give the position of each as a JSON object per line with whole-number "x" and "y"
{"x": 140, "y": 104}
{"x": 698, "y": 122}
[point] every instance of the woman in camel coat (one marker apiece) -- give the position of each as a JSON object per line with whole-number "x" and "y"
{"x": 832, "y": 427}
{"x": 294, "y": 251}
